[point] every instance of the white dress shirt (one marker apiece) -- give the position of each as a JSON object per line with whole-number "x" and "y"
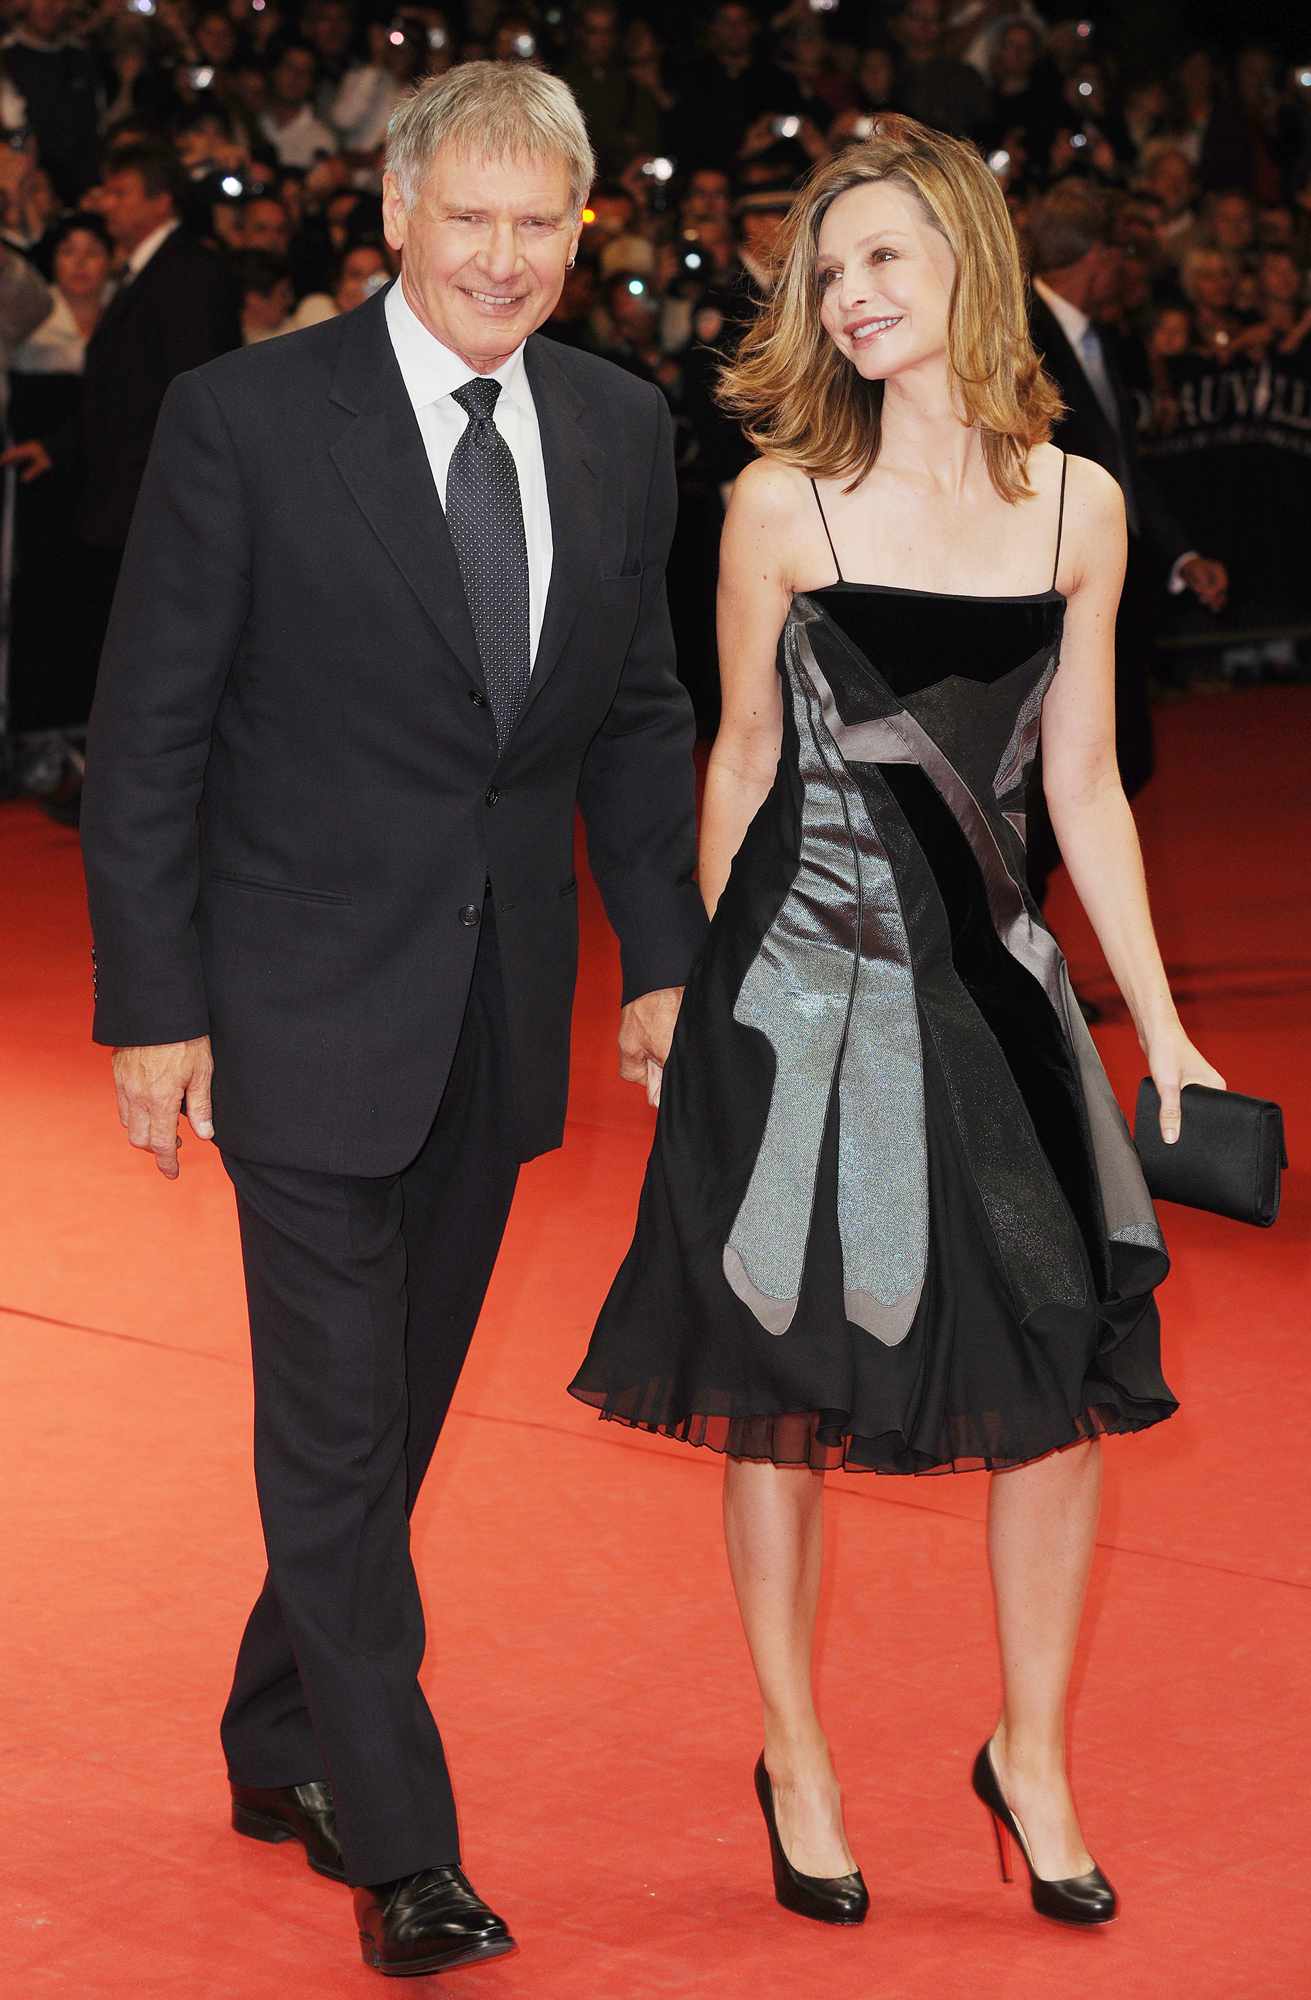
{"x": 1074, "y": 324}
{"x": 431, "y": 374}
{"x": 300, "y": 141}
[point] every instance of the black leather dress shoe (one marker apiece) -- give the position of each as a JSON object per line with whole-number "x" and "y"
{"x": 292, "y": 1812}
{"x": 429, "y": 1922}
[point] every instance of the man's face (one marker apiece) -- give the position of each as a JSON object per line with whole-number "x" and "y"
{"x": 267, "y": 226}
{"x": 484, "y": 249}
{"x": 199, "y": 144}
{"x": 733, "y": 32}
{"x": 330, "y": 28}
{"x": 1232, "y": 221}
{"x": 294, "y": 78}
{"x": 1171, "y": 178}
{"x": 130, "y": 213}
{"x": 920, "y": 27}
{"x": 596, "y": 36}
{"x": 707, "y": 197}
{"x": 1106, "y": 272}
{"x": 46, "y": 18}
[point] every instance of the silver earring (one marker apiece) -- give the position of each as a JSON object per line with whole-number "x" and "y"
{"x": 570, "y": 265}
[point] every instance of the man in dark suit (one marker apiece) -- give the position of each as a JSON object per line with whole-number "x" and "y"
{"x": 176, "y": 307}
{"x": 1075, "y": 270}
{"x": 393, "y": 604}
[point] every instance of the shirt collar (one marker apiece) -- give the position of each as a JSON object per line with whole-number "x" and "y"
{"x": 430, "y": 370}
{"x": 146, "y": 249}
{"x": 1071, "y": 320}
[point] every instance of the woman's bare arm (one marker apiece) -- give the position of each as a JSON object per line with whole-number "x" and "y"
{"x": 754, "y": 594}
{"x": 1089, "y": 812}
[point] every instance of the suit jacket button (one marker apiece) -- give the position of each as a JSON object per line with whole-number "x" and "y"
{"x": 470, "y": 915}
{"x": 477, "y": 697}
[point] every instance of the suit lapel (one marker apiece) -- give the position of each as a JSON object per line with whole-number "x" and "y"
{"x": 382, "y": 459}
{"x": 571, "y": 452}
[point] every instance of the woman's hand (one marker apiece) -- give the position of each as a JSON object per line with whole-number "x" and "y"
{"x": 1173, "y": 1062}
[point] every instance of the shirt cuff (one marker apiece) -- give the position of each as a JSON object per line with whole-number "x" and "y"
{"x": 1176, "y": 582}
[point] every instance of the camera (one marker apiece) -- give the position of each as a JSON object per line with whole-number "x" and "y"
{"x": 437, "y": 38}
{"x": 999, "y": 162}
{"x": 785, "y": 127}
{"x": 659, "y": 169}
{"x": 1078, "y": 139}
{"x": 201, "y": 78}
{"x": 525, "y": 47}
{"x": 140, "y": 6}
{"x": 864, "y": 127}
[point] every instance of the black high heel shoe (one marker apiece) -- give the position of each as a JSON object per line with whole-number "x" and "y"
{"x": 829, "y": 1899}
{"x": 1078, "y": 1899}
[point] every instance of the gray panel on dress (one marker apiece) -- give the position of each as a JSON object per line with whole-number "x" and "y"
{"x": 832, "y": 991}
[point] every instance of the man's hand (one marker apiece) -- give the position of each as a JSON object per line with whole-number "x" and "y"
{"x": 150, "y": 1084}
{"x": 32, "y": 457}
{"x": 1208, "y": 580}
{"x": 646, "y": 1028}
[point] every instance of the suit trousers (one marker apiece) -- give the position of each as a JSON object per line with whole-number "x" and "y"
{"x": 363, "y": 1297}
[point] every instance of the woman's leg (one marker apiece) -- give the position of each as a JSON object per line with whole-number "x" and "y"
{"x": 774, "y": 1528}
{"x": 1042, "y": 1519}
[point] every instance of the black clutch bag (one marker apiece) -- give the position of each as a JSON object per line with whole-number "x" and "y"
{"x": 1227, "y": 1156}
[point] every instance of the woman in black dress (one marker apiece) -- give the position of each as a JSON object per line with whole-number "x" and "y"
{"x": 893, "y": 1220}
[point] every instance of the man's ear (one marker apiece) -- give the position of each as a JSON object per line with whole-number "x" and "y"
{"x": 394, "y": 215}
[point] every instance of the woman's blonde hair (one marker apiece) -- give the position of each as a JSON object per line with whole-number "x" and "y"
{"x": 799, "y": 400}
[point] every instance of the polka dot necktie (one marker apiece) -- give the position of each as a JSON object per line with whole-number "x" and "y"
{"x": 485, "y": 516}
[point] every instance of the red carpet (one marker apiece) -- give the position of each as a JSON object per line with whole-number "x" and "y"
{"x": 600, "y": 1715}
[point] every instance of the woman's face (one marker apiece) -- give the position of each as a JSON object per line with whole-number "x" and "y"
{"x": 216, "y": 40}
{"x": 1209, "y": 282}
{"x": 1281, "y": 280}
{"x": 81, "y": 265}
{"x": 1171, "y": 334}
{"x": 884, "y": 276}
{"x": 357, "y": 269}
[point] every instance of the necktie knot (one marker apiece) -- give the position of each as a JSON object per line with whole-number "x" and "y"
{"x": 477, "y": 397}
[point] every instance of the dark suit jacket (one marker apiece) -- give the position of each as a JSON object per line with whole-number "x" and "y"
{"x": 294, "y": 798}
{"x": 183, "y": 310}
{"x": 1085, "y": 431}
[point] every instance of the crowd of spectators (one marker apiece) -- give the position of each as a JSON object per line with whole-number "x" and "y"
{"x": 254, "y": 130}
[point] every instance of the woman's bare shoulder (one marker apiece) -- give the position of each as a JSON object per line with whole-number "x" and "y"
{"x": 1093, "y": 489}
{"x": 769, "y": 491}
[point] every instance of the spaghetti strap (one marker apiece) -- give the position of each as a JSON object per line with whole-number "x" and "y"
{"x": 824, "y": 518}
{"x": 1060, "y": 518}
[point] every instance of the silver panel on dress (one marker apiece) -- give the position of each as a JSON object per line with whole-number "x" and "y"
{"x": 832, "y": 991}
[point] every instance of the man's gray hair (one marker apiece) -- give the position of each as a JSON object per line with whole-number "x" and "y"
{"x": 497, "y": 111}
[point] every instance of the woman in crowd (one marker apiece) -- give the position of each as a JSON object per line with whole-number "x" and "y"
{"x": 53, "y": 651}
{"x": 893, "y": 1220}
